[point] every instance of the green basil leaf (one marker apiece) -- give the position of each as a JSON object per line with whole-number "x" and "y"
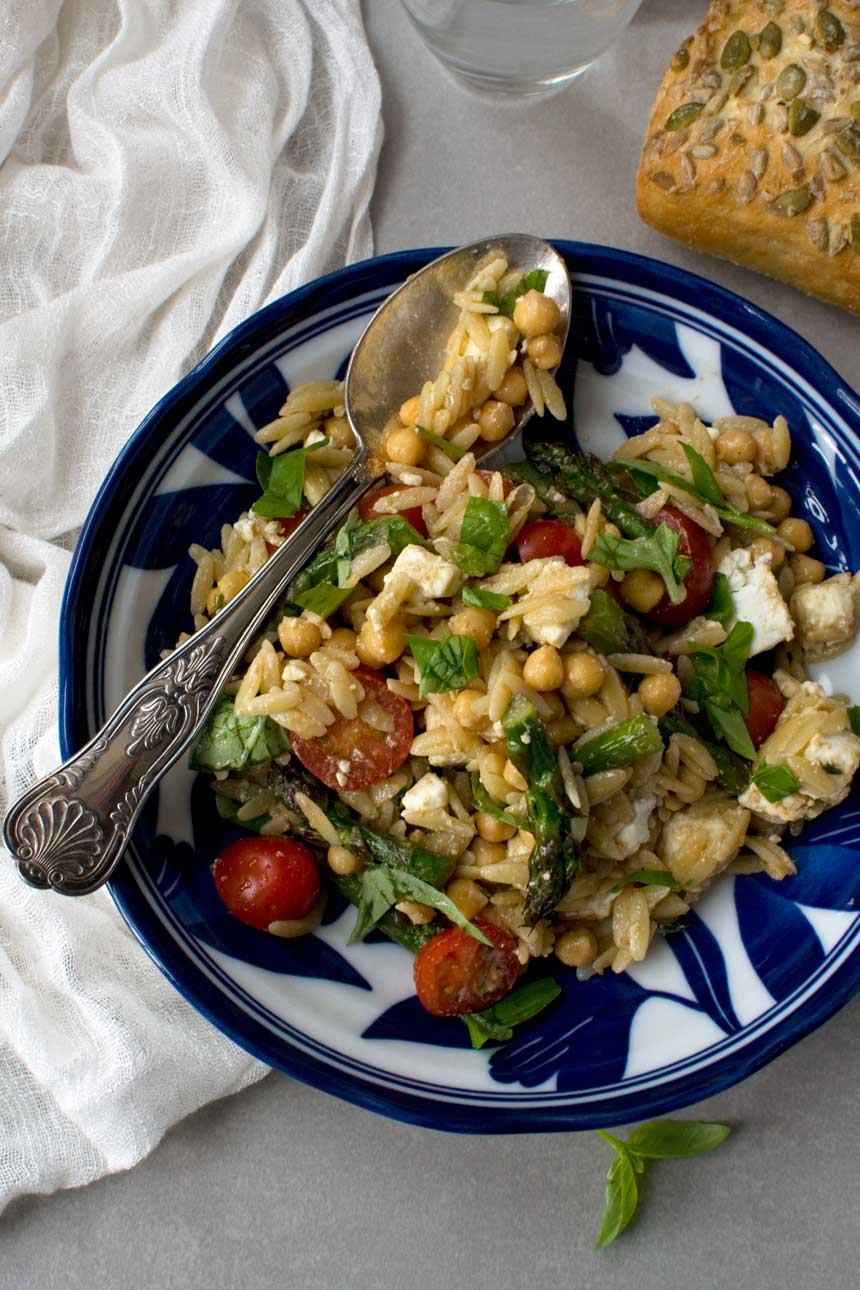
{"x": 720, "y": 687}
{"x": 483, "y": 537}
{"x": 704, "y": 479}
{"x": 484, "y": 599}
{"x": 658, "y": 552}
{"x": 383, "y": 886}
{"x": 728, "y": 724}
{"x": 357, "y": 535}
{"x": 735, "y": 649}
{"x": 854, "y": 717}
{"x": 534, "y": 281}
{"x": 447, "y": 664}
{"x": 676, "y": 1139}
{"x": 650, "y": 878}
{"x": 323, "y": 599}
{"x": 520, "y": 1005}
{"x": 453, "y": 450}
{"x": 228, "y": 742}
{"x": 620, "y": 1200}
{"x": 489, "y": 806}
{"x": 722, "y": 604}
{"x": 283, "y": 481}
{"x": 490, "y": 298}
{"x": 775, "y": 782}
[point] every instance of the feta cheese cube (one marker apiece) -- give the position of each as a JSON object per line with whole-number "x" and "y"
{"x": 757, "y": 599}
{"x": 435, "y": 576}
{"x": 825, "y": 615}
{"x": 430, "y": 793}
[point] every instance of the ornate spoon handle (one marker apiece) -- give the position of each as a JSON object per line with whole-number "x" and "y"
{"x": 69, "y": 830}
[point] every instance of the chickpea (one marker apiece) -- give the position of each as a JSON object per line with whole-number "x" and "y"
{"x": 411, "y": 410}
{"x": 378, "y": 645}
{"x": 735, "y": 446}
{"x": 342, "y": 861}
{"x": 767, "y": 546}
{"x": 659, "y": 693}
{"x": 496, "y": 420}
{"x": 513, "y": 388}
{"x": 488, "y": 852}
{"x": 477, "y": 623}
{"x": 343, "y": 639}
{"x": 806, "y": 569}
{"x": 543, "y": 669}
{"x": 555, "y": 705}
{"x": 585, "y": 674}
{"x": 642, "y": 589}
{"x": 493, "y": 830}
{"x": 562, "y": 731}
{"x": 545, "y": 351}
{"x": 796, "y": 532}
{"x": 758, "y": 492}
{"x": 535, "y": 314}
{"x": 464, "y": 709}
{"x": 404, "y": 447}
{"x": 780, "y": 503}
{"x": 339, "y": 431}
{"x": 469, "y": 898}
{"x": 298, "y": 637}
{"x": 576, "y": 948}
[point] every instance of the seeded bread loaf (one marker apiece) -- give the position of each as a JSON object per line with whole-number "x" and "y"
{"x": 753, "y": 147}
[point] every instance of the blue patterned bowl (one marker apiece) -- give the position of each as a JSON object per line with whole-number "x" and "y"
{"x": 761, "y": 963}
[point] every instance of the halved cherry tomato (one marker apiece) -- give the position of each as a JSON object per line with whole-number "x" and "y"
{"x": 542, "y": 538}
{"x": 487, "y": 475}
{"x": 454, "y": 973}
{"x": 699, "y": 580}
{"x": 356, "y": 752}
{"x": 367, "y": 508}
{"x": 286, "y": 527}
{"x": 264, "y": 880}
{"x": 766, "y": 703}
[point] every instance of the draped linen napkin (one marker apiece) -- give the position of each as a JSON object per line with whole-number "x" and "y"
{"x": 165, "y": 169}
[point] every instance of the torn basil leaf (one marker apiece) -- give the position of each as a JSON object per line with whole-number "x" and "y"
{"x": 722, "y": 606}
{"x": 720, "y": 688}
{"x": 775, "y": 782}
{"x": 484, "y": 599}
{"x": 536, "y": 280}
{"x": 453, "y": 450}
{"x": 228, "y": 742}
{"x": 447, "y": 664}
{"x": 358, "y": 535}
{"x": 658, "y": 552}
{"x": 483, "y": 537}
{"x": 282, "y": 479}
{"x": 497, "y": 1023}
{"x": 323, "y": 599}
{"x": 383, "y": 886}
{"x": 649, "y": 878}
{"x": 488, "y": 805}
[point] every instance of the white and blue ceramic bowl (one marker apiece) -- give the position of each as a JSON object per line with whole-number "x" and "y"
{"x": 761, "y": 962}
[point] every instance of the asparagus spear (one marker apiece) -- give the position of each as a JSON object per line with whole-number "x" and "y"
{"x": 554, "y": 860}
{"x": 621, "y": 744}
{"x": 585, "y": 478}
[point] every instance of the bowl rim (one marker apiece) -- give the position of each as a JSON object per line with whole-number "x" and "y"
{"x": 417, "y": 1107}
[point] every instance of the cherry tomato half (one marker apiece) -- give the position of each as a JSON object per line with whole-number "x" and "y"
{"x": 286, "y": 527}
{"x": 455, "y": 974}
{"x": 699, "y": 580}
{"x": 367, "y": 508}
{"x": 766, "y": 703}
{"x": 356, "y": 752}
{"x": 543, "y": 538}
{"x": 264, "y": 880}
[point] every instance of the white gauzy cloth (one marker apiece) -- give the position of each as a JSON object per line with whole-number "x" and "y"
{"x": 165, "y": 169}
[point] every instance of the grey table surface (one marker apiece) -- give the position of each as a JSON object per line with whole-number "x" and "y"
{"x": 286, "y": 1186}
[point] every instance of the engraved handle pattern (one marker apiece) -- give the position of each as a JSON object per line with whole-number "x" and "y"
{"x": 69, "y": 830}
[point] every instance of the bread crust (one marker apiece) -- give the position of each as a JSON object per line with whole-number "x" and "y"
{"x": 746, "y": 170}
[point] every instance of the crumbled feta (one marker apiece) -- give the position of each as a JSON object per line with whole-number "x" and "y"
{"x": 757, "y": 599}
{"x": 700, "y": 840}
{"x": 637, "y": 831}
{"x": 825, "y": 615}
{"x": 551, "y": 597}
{"x": 250, "y": 526}
{"x": 435, "y": 576}
{"x": 430, "y": 793}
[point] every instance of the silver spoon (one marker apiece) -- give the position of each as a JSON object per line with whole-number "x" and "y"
{"x": 69, "y": 830}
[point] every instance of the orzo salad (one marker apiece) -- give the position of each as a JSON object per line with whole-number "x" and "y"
{"x": 522, "y": 718}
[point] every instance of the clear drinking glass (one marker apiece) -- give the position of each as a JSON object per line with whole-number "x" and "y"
{"x": 519, "y": 46}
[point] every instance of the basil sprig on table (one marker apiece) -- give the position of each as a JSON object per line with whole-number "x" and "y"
{"x": 443, "y": 665}
{"x": 720, "y": 687}
{"x": 282, "y": 480}
{"x": 534, "y": 281}
{"x": 775, "y": 782}
{"x": 647, "y": 475}
{"x": 658, "y": 552}
{"x": 483, "y": 537}
{"x": 656, "y": 1140}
